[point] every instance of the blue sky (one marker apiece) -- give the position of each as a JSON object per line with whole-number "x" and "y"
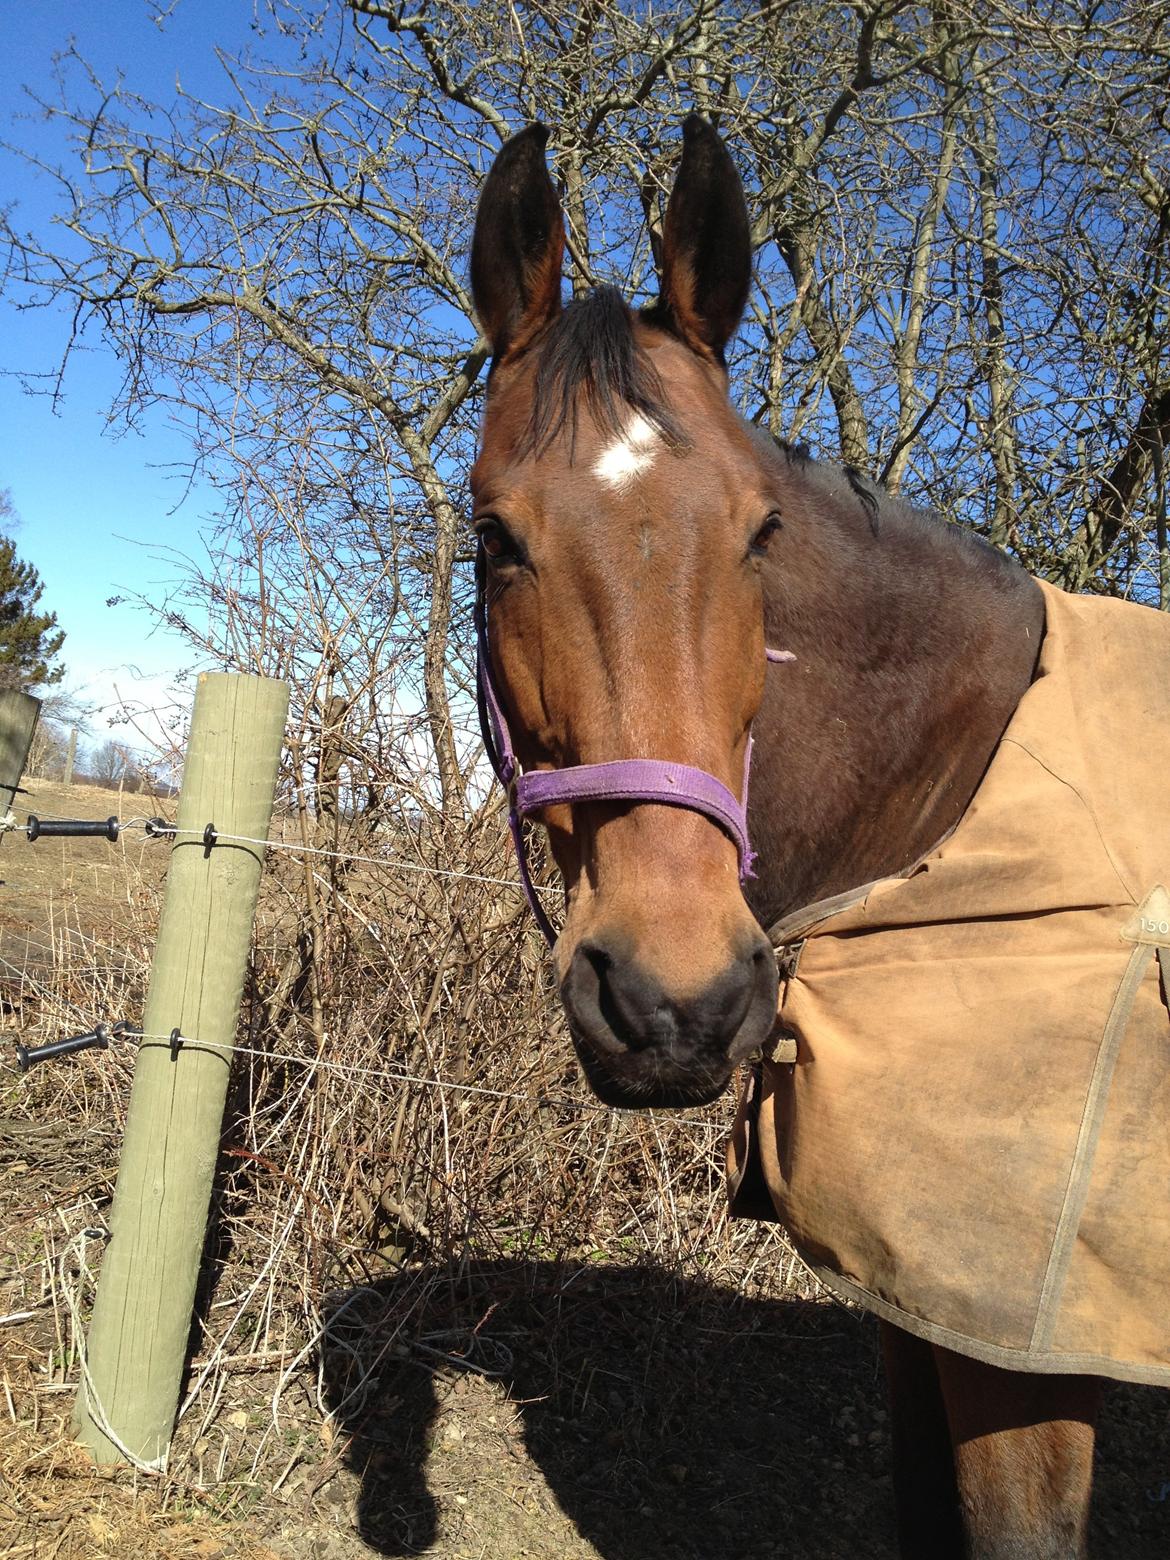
{"x": 99, "y": 509}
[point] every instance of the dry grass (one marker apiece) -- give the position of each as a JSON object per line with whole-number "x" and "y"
{"x": 406, "y": 1105}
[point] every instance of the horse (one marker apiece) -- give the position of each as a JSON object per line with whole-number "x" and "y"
{"x": 733, "y": 682}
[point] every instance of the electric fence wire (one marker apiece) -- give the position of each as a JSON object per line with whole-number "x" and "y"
{"x": 132, "y": 1036}
{"x": 153, "y": 831}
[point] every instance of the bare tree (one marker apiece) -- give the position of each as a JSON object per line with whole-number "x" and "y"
{"x": 63, "y": 714}
{"x": 113, "y": 764}
{"x": 960, "y": 259}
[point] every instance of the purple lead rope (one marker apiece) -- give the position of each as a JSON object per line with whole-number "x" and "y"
{"x": 620, "y": 780}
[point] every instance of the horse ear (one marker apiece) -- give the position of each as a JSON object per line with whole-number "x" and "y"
{"x": 518, "y": 244}
{"x": 706, "y": 245}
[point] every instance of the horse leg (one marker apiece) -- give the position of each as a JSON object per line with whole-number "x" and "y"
{"x": 925, "y": 1492}
{"x": 1023, "y": 1455}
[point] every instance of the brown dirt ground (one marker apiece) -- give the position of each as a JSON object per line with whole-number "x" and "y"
{"x": 539, "y": 1409}
{"x": 625, "y": 1415}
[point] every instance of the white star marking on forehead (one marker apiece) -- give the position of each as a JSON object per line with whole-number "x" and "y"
{"x": 628, "y": 457}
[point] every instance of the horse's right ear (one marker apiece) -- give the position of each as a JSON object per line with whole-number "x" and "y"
{"x": 518, "y": 245}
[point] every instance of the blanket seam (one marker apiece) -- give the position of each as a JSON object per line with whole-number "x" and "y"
{"x": 1127, "y": 888}
{"x": 1081, "y": 1170}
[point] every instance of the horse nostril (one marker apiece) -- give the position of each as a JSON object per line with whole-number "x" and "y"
{"x": 600, "y": 958}
{"x": 631, "y": 1003}
{"x": 760, "y": 992}
{"x": 586, "y": 994}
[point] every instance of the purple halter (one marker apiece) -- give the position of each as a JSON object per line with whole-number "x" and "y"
{"x": 620, "y": 780}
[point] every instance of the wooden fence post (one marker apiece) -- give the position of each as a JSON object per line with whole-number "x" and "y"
{"x": 142, "y": 1312}
{"x": 18, "y": 722}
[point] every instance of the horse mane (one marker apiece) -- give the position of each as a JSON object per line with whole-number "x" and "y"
{"x": 879, "y": 508}
{"x": 589, "y": 351}
{"x": 948, "y": 535}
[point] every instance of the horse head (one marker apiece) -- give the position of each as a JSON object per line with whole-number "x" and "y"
{"x": 622, "y": 511}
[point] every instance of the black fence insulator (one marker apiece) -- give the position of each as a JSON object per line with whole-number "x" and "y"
{"x": 29, "y": 1056}
{"x": 42, "y": 828}
{"x": 160, "y": 829}
{"x": 176, "y": 1042}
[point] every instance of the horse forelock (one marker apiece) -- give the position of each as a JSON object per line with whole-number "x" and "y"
{"x": 589, "y": 355}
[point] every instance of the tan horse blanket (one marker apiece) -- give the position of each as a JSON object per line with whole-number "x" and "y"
{"x": 974, "y": 1137}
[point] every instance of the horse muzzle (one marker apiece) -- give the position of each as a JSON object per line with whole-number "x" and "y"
{"x": 642, "y": 1045}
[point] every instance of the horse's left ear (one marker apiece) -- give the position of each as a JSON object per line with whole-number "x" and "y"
{"x": 706, "y": 245}
{"x": 518, "y": 245}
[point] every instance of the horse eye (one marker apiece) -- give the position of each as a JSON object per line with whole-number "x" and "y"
{"x": 495, "y": 541}
{"x": 764, "y": 535}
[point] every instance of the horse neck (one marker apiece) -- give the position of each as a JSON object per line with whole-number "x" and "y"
{"x": 914, "y": 643}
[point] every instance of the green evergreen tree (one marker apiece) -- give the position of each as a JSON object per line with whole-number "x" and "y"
{"x": 30, "y": 641}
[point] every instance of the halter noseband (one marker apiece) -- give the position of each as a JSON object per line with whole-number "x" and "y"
{"x": 619, "y": 780}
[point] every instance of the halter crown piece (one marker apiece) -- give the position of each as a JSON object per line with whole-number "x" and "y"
{"x": 620, "y": 780}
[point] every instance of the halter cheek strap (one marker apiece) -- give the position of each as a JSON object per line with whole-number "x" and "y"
{"x": 619, "y": 780}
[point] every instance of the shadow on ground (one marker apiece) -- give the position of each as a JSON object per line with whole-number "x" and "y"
{"x": 667, "y": 1418}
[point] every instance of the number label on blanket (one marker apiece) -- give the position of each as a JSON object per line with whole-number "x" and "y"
{"x": 1151, "y": 921}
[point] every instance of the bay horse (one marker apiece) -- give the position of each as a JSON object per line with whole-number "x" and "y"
{"x": 661, "y": 584}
